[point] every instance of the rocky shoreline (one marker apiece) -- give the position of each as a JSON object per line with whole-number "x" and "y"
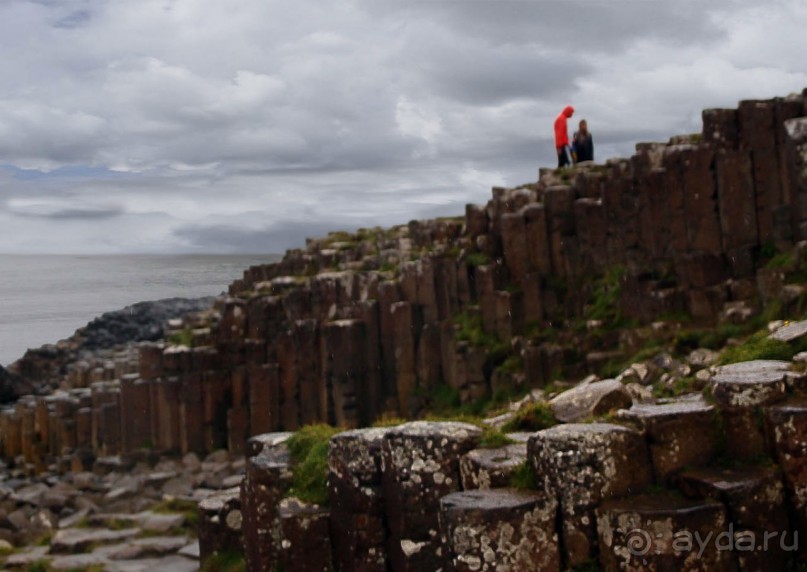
{"x": 105, "y": 334}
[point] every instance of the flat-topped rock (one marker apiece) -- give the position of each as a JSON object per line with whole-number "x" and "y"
{"x": 421, "y": 465}
{"x": 589, "y": 400}
{"x": 680, "y": 433}
{"x": 750, "y": 384}
{"x": 357, "y": 504}
{"x": 305, "y": 544}
{"x": 786, "y": 425}
{"x": 148, "y": 547}
{"x": 267, "y": 477}
{"x": 755, "y": 499}
{"x": 258, "y": 443}
{"x": 790, "y": 332}
{"x": 491, "y": 468}
{"x": 220, "y": 523}
{"x": 582, "y": 465}
{"x": 501, "y": 529}
{"x": 74, "y": 540}
{"x": 661, "y": 532}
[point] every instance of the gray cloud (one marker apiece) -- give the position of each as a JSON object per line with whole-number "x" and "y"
{"x": 159, "y": 126}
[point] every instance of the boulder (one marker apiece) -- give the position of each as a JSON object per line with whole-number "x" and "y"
{"x": 589, "y": 400}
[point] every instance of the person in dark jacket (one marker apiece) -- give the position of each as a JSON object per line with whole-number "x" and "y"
{"x": 562, "y": 136}
{"x": 583, "y": 143}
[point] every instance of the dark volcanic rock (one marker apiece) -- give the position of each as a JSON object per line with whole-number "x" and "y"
{"x": 141, "y": 322}
{"x": 12, "y": 386}
{"x": 501, "y": 529}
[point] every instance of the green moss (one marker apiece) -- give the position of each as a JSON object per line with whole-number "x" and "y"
{"x": 229, "y": 561}
{"x": 443, "y": 399}
{"x": 475, "y": 259}
{"x": 389, "y": 420}
{"x": 182, "y": 338}
{"x": 523, "y": 477}
{"x": 469, "y": 329}
{"x": 680, "y": 386}
{"x": 606, "y": 292}
{"x": 531, "y": 417}
{"x": 42, "y": 565}
{"x": 783, "y": 260}
{"x": 514, "y": 363}
{"x": 309, "y": 456}
{"x": 761, "y": 346}
{"x": 188, "y": 508}
{"x": 493, "y": 438}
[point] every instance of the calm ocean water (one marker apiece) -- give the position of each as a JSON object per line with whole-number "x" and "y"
{"x": 45, "y": 298}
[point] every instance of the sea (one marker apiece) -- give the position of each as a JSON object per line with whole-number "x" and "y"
{"x": 46, "y": 298}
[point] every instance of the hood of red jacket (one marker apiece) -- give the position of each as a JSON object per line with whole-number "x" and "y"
{"x": 568, "y": 111}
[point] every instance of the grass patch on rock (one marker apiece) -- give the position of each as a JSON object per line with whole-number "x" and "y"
{"x": 523, "y": 477}
{"x": 309, "y": 456}
{"x": 761, "y": 346}
{"x": 493, "y": 438}
{"x": 532, "y": 417}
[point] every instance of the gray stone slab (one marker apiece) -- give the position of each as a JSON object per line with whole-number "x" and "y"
{"x": 790, "y": 332}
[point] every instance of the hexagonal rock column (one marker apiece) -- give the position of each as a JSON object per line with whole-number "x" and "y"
{"x": 682, "y": 433}
{"x": 755, "y": 500}
{"x": 663, "y": 532}
{"x": 582, "y": 465}
{"x": 787, "y": 429}
{"x": 421, "y": 465}
{"x": 501, "y": 529}
{"x": 357, "y": 504}
{"x": 740, "y": 390}
{"x": 305, "y": 540}
{"x": 491, "y": 468}
{"x": 267, "y": 478}
{"x": 220, "y": 523}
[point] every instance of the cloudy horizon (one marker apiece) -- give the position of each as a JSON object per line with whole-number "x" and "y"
{"x": 190, "y": 126}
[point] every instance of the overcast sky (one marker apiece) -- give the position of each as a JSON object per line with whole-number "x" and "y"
{"x": 244, "y": 126}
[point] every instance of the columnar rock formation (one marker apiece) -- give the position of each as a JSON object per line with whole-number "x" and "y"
{"x": 355, "y": 326}
{"x": 639, "y": 492}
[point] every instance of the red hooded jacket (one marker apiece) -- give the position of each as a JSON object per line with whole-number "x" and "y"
{"x": 561, "y": 131}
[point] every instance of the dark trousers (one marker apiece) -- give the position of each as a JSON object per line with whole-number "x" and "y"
{"x": 564, "y": 158}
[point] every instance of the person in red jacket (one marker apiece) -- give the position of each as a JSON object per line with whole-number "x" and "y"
{"x": 562, "y": 137}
